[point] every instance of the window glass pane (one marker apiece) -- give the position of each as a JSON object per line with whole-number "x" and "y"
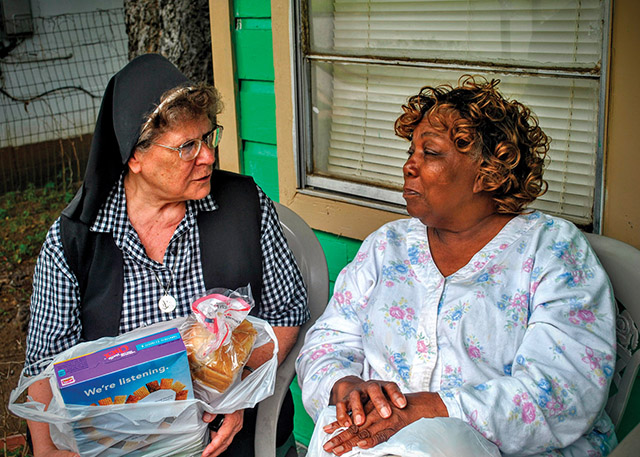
{"x": 545, "y": 33}
{"x": 354, "y": 107}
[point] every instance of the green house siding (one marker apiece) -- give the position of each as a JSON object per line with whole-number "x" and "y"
{"x": 259, "y": 154}
{"x": 256, "y": 99}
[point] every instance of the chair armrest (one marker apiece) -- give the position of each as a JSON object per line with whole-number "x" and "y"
{"x": 629, "y": 446}
{"x": 269, "y": 408}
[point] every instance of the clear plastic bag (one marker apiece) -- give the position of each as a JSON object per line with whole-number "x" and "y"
{"x": 220, "y": 336}
{"x": 141, "y": 429}
{"x": 219, "y": 312}
{"x": 435, "y": 437}
{"x": 138, "y": 429}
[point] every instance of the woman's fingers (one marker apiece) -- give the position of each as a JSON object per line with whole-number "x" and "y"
{"x": 342, "y": 414}
{"x": 352, "y": 397}
{"x": 343, "y": 442}
{"x": 395, "y": 394}
{"x": 380, "y": 436}
{"x": 332, "y": 427}
{"x": 355, "y": 405}
{"x": 379, "y": 399}
{"x": 222, "y": 439}
{"x": 376, "y": 430}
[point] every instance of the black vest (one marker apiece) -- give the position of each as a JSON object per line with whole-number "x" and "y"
{"x": 229, "y": 247}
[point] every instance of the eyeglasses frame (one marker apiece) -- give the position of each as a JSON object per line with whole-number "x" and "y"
{"x": 217, "y": 129}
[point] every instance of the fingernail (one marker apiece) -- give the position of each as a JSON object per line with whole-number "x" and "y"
{"x": 359, "y": 419}
{"x": 207, "y": 417}
{"x": 326, "y": 428}
{"x": 361, "y": 443}
{"x": 338, "y": 450}
{"x": 386, "y": 412}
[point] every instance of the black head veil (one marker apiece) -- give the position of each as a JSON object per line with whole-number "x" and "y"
{"x": 131, "y": 95}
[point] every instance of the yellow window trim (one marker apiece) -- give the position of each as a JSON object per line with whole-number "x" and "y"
{"x": 225, "y": 81}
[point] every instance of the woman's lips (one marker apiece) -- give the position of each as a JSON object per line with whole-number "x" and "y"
{"x": 407, "y": 193}
{"x": 204, "y": 178}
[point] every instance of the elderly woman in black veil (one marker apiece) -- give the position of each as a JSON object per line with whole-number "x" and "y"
{"x": 154, "y": 225}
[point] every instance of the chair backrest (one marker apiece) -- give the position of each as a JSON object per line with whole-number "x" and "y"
{"x": 622, "y": 264}
{"x": 313, "y": 265}
{"x": 310, "y": 259}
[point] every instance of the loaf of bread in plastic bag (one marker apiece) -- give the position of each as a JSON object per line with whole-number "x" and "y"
{"x": 218, "y": 369}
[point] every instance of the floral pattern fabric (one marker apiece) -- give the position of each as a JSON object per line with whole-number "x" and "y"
{"x": 519, "y": 343}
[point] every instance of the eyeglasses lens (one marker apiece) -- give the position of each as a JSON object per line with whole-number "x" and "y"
{"x": 190, "y": 149}
{"x": 212, "y": 139}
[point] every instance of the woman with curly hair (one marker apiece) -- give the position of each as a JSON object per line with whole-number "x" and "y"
{"x": 476, "y": 308}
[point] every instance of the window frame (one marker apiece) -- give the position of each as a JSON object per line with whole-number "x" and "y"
{"x": 340, "y": 190}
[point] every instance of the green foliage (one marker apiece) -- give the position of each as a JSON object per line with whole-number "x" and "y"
{"x": 25, "y": 218}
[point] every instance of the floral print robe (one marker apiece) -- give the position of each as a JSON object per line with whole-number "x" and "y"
{"x": 519, "y": 343}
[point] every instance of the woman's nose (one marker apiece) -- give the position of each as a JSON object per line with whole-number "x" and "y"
{"x": 207, "y": 155}
{"x": 409, "y": 168}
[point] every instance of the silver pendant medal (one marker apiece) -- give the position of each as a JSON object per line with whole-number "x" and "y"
{"x": 167, "y": 304}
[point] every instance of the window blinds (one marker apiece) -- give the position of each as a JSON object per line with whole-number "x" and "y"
{"x": 355, "y": 102}
{"x": 542, "y": 33}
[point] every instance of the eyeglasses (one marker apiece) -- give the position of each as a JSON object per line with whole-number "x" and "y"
{"x": 189, "y": 150}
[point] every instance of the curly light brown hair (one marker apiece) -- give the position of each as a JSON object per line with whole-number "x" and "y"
{"x": 177, "y": 105}
{"x": 502, "y": 134}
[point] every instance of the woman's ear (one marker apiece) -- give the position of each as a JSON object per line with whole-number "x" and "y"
{"x": 134, "y": 163}
{"x": 479, "y": 184}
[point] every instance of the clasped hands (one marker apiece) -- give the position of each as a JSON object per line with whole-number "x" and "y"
{"x": 373, "y": 411}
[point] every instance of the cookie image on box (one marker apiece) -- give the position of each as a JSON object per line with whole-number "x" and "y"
{"x": 182, "y": 395}
{"x": 177, "y": 386}
{"x": 105, "y": 401}
{"x": 141, "y": 392}
{"x": 153, "y": 386}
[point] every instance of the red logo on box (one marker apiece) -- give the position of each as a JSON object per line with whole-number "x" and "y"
{"x": 67, "y": 381}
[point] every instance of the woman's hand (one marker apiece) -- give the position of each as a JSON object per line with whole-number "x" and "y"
{"x": 351, "y": 393}
{"x": 377, "y": 429}
{"x": 221, "y": 439}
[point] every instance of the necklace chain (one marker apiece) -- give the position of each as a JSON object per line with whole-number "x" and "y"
{"x": 168, "y": 288}
{"x": 167, "y": 303}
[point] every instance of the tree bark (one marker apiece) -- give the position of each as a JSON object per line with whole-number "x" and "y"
{"x": 176, "y": 29}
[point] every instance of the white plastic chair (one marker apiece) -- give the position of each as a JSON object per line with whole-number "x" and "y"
{"x": 313, "y": 265}
{"x": 622, "y": 263}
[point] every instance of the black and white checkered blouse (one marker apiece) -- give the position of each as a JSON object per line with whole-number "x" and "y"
{"x": 55, "y": 304}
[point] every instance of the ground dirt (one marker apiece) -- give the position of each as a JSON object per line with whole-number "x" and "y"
{"x": 25, "y": 218}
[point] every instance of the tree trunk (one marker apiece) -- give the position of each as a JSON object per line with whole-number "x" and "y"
{"x": 176, "y": 29}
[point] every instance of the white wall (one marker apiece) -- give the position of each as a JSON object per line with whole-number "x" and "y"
{"x": 76, "y": 43}
{"x": 55, "y": 7}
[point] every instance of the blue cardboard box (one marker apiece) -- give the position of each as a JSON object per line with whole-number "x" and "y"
{"x": 151, "y": 368}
